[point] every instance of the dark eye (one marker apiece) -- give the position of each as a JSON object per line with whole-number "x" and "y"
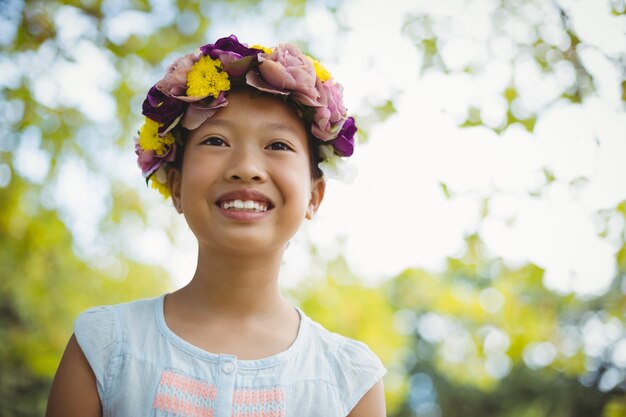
{"x": 215, "y": 141}
{"x": 279, "y": 146}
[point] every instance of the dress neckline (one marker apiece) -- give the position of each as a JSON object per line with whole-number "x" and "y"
{"x": 196, "y": 351}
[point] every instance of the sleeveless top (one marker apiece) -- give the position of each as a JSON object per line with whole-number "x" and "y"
{"x": 142, "y": 368}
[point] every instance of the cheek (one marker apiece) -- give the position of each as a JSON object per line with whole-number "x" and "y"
{"x": 302, "y": 192}
{"x": 196, "y": 178}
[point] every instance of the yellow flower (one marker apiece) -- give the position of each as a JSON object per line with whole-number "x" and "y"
{"x": 263, "y": 48}
{"x": 149, "y": 138}
{"x": 161, "y": 188}
{"x": 204, "y": 79}
{"x": 322, "y": 73}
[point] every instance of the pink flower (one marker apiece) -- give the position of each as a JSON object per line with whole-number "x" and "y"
{"x": 198, "y": 112}
{"x": 286, "y": 71}
{"x": 330, "y": 116}
{"x": 174, "y": 83}
{"x": 149, "y": 161}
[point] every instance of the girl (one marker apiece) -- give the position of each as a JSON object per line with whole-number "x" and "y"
{"x": 234, "y": 135}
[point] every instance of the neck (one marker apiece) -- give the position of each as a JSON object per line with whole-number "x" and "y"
{"x": 233, "y": 285}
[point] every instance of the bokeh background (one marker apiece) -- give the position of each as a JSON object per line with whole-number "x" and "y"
{"x": 480, "y": 250}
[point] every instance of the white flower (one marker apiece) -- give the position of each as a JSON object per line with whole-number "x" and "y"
{"x": 335, "y": 167}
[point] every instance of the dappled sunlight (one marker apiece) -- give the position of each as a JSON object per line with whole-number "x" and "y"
{"x": 480, "y": 251}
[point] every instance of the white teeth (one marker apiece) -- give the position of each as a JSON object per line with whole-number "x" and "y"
{"x": 244, "y": 205}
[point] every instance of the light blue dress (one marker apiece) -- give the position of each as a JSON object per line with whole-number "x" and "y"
{"x": 142, "y": 368}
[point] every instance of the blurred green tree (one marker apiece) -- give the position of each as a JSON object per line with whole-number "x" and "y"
{"x": 491, "y": 340}
{"x": 483, "y": 338}
{"x": 488, "y": 338}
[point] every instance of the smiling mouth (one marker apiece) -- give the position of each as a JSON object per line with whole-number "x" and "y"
{"x": 245, "y": 205}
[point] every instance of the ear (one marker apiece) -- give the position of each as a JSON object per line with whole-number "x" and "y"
{"x": 174, "y": 179}
{"x": 318, "y": 187}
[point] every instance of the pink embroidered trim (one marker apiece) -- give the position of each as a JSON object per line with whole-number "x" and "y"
{"x": 181, "y": 395}
{"x": 180, "y": 407}
{"x": 188, "y": 385}
{"x": 269, "y": 402}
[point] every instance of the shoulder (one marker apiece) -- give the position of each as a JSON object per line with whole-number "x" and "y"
{"x": 355, "y": 368}
{"x": 108, "y": 317}
{"x": 101, "y": 333}
{"x": 342, "y": 349}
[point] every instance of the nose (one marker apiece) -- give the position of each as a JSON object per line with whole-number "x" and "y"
{"x": 245, "y": 166}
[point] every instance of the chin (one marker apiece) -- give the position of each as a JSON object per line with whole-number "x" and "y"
{"x": 249, "y": 245}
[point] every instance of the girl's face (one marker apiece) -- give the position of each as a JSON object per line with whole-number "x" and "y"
{"x": 245, "y": 183}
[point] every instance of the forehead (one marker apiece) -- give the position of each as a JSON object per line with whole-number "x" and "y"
{"x": 246, "y": 109}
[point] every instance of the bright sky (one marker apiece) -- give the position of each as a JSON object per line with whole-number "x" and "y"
{"x": 394, "y": 215}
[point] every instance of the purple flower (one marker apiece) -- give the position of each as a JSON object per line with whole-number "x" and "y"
{"x": 162, "y": 109}
{"x": 344, "y": 144}
{"x": 286, "y": 71}
{"x": 330, "y": 116}
{"x": 229, "y": 47}
{"x": 175, "y": 81}
{"x": 236, "y": 58}
{"x": 149, "y": 161}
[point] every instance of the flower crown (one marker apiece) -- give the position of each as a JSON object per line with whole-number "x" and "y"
{"x": 194, "y": 87}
